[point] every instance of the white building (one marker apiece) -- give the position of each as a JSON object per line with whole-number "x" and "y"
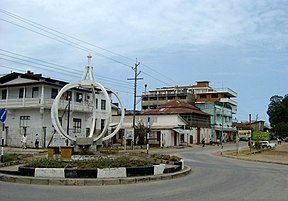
{"x": 173, "y": 124}
{"x": 28, "y": 99}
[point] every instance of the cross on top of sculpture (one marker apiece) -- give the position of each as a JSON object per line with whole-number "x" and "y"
{"x": 88, "y": 82}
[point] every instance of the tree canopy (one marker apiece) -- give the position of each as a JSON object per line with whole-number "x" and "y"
{"x": 278, "y": 114}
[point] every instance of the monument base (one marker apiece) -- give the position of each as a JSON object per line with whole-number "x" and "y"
{"x": 86, "y": 145}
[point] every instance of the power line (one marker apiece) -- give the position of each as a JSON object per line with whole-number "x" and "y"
{"x": 23, "y": 71}
{"x": 67, "y": 42}
{"x": 72, "y": 43}
{"x": 57, "y": 71}
{"x": 156, "y": 78}
{"x": 124, "y": 83}
{"x": 159, "y": 74}
{"x": 25, "y": 20}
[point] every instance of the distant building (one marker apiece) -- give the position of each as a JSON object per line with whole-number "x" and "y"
{"x": 219, "y": 103}
{"x": 28, "y": 99}
{"x": 256, "y": 126}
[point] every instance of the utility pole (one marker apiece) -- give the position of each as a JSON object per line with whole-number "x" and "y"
{"x": 136, "y": 74}
{"x": 222, "y": 136}
{"x": 250, "y": 127}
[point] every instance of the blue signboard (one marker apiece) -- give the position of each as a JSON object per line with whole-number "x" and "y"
{"x": 3, "y": 115}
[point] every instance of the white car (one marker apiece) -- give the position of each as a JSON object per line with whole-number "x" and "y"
{"x": 268, "y": 145}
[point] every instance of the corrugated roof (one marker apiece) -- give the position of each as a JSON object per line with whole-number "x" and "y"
{"x": 176, "y": 107}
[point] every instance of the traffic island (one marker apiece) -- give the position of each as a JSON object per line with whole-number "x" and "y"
{"x": 102, "y": 169}
{"x": 93, "y": 179}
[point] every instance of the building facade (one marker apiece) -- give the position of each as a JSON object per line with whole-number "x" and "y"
{"x": 219, "y": 103}
{"x": 173, "y": 124}
{"x": 28, "y": 99}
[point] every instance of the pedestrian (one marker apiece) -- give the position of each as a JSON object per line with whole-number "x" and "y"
{"x": 203, "y": 142}
{"x": 24, "y": 141}
{"x": 37, "y": 141}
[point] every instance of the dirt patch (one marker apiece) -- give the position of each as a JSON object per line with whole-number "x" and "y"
{"x": 277, "y": 155}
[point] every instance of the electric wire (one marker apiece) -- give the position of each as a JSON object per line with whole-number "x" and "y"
{"x": 69, "y": 36}
{"x": 21, "y": 70}
{"x": 73, "y": 44}
{"x": 69, "y": 43}
{"x": 55, "y": 71}
{"x": 76, "y": 45}
{"x": 62, "y": 68}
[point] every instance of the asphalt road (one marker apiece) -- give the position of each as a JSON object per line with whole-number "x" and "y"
{"x": 213, "y": 178}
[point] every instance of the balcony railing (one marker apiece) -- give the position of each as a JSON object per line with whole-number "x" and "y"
{"x": 36, "y": 103}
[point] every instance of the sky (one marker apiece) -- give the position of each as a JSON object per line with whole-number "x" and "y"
{"x": 236, "y": 44}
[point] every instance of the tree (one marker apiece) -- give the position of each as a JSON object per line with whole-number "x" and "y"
{"x": 278, "y": 114}
{"x": 140, "y": 132}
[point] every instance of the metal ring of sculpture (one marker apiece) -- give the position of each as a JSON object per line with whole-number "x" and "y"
{"x": 86, "y": 84}
{"x": 121, "y": 119}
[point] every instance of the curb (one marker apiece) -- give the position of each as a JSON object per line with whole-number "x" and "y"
{"x": 92, "y": 182}
{"x": 255, "y": 160}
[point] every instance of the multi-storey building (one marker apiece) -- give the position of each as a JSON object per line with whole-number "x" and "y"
{"x": 28, "y": 99}
{"x": 218, "y": 103}
{"x": 161, "y": 96}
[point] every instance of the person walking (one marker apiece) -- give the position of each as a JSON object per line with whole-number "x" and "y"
{"x": 37, "y": 141}
{"x": 203, "y": 142}
{"x": 24, "y": 141}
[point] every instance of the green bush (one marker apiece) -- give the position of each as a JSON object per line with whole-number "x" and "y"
{"x": 109, "y": 151}
{"x": 46, "y": 163}
{"x": 10, "y": 157}
{"x": 257, "y": 145}
{"x": 166, "y": 157}
{"x": 102, "y": 163}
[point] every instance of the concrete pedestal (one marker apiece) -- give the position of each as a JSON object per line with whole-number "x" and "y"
{"x": 53, "y": 152}
{"x": 66, "y": 153}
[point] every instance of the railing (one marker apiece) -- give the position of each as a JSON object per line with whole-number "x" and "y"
{"x": 36, "y": 103}
{"x": 226, "y": 90}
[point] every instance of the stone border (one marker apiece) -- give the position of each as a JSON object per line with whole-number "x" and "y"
{"x": 92, "y": 182}
{"x": 97, "y": 172}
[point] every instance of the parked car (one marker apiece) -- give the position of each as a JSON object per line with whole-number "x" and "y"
{"x": 286, "y": 139}
{"x": 268, "y": 145}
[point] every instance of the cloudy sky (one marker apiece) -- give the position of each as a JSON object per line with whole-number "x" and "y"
{"x": 236, "y": 44}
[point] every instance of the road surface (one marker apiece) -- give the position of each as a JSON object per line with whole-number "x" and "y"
{"x": 212, "y": 178}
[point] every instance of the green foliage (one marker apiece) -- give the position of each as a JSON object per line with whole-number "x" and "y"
{"x": 278, "y": 114}
{"x": 166, "y": 157}
{"x": 258, "y": 145}
{"x": 46, "y": 163}
{"x": 109, "y": 151}
{"x": 101, "y": 163}
{"x": 140, "y": 132}
{"x": 10, "y": 157}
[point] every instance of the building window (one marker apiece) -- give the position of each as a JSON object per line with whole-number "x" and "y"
{"x": 54, "y": 93}
{"x": 79, "y": 97}
{"x": 77, "y": 125}
{"x": 24, "y": 121}
{"x": 35, "y": 91}
{"x": 214, "y": 95}
{"x": 21, "y": 92}
{"x": 4, "y": 94}
{"x": 103, "y": 104}
{"x": 203, "y": 96}
{"x": 96, "y": 103}
{"x": 102, "y": 124}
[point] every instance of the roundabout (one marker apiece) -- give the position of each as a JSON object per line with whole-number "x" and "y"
{"x": 94, "y": 177}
